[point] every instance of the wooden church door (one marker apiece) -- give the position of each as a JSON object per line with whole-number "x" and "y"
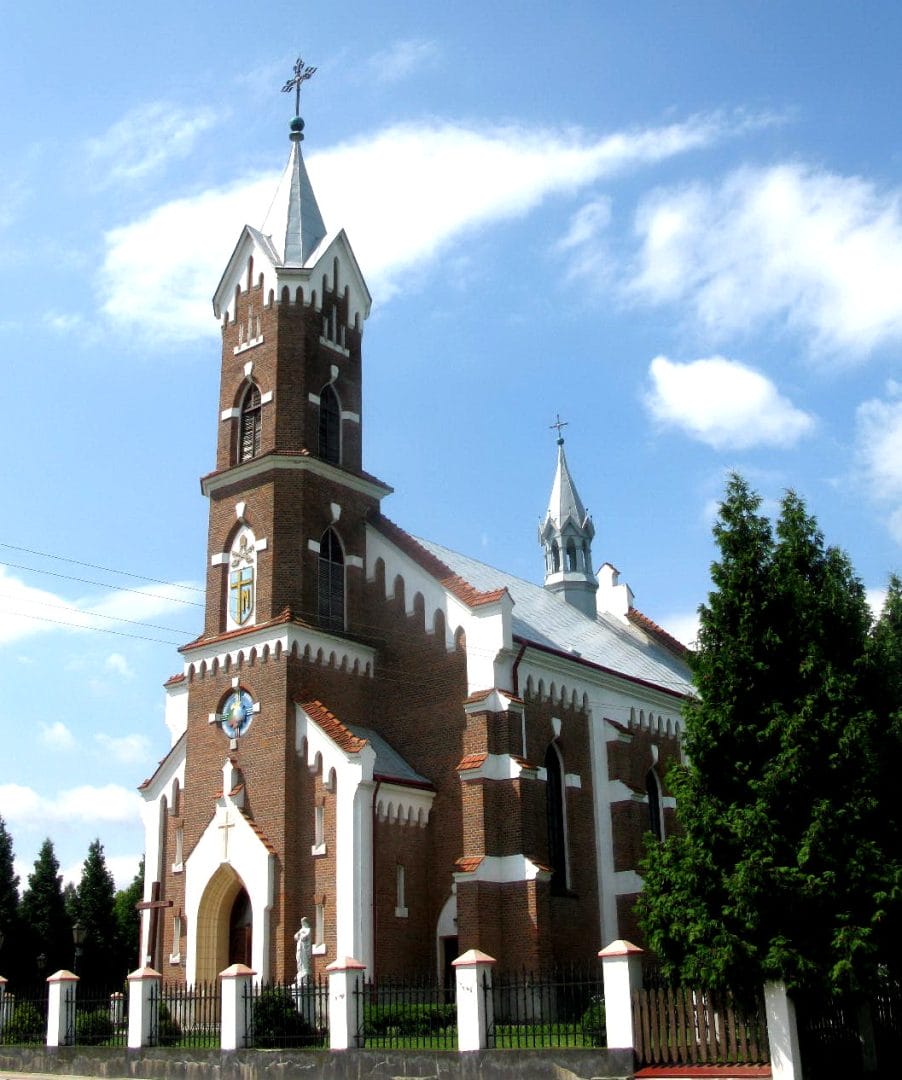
{"x": 241, "y": 930}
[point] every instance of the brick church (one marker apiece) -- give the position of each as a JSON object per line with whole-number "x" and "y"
{"x": 419, "y": 753}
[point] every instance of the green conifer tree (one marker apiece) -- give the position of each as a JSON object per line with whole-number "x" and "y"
{"x": 48, "y": 929}
{"x": 128, "y": 921}
{"x": 95, "y": 907}
{"x": 9, "y": 907}
{"x": 775, "y": 871}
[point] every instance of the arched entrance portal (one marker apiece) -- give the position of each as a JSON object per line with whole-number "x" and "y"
{"x": 240, "y": 930}
{"x": 224, "y": 921}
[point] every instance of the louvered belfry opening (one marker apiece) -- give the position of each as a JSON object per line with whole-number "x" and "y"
{"x": 331, "y": 602}
{"x": 249, "y": 435}
{"x": 329, "y": 427}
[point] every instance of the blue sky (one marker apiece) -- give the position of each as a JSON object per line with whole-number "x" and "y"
{"x": 677, "y": 225}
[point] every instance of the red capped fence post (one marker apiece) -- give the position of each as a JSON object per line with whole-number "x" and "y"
{"x": 622, "y": 970}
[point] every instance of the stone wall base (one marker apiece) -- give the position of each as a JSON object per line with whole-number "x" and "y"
{"x": 183, "y": 1064}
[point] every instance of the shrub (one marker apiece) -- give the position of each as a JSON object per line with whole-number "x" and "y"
{"x": 277, "y": 1022}
{"x": 169, "y": 1033}
{"x": 93, "y": 1028}
{"x": 408, "y": 1020}
{"x": 593, "y": 1023}
{"x": 26, "y": 1025}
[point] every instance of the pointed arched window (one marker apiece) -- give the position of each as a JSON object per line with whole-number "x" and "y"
{"x": 555, "y": 557}
{"x": 249, "y": 431}
{"x": 329, "y": 426}
{"x": 571, "y": 556}
{"x": 557, "y": 821}
{"x": 331, "y": 591}
{"x": 653, "y": 791}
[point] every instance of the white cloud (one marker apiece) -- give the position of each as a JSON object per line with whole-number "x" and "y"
{"x": 117, "y": 663}
{"x": 25, "y": 808}
{"x": 819, "y": 252}
{"x": 145, "y": 140}
{"x": 28, "y": 610}
{"x": 402, "y": 59}
{"x": 403, "y": 194}
{"x": 879, "y": 452}
{"x": 57, "y": 736}
{"x": 723, "y": 403}
{"x": 127, "y": 749}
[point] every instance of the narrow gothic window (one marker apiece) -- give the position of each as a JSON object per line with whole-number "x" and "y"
{"x": 653, "y": 790}
{"x": 329, "y": 426}
{"x": 249, "y": 433}
{"x": 555, "y": 557}
{"x": 331, "y": 582}
{"x": 571, "y": 556}
{"x": 557, "y": 832}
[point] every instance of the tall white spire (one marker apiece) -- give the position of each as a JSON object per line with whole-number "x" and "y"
{"x": 566, "y": 536}
{"x": 293, "y": 223}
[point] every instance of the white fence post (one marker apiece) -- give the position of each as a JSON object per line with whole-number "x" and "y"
{"x": 782, "y": 1033}
{"x": 622, "y": 970}
{"x": 475, "y": 1010}
{"x": 345, "y": 988}
{"x": 60, "y": 999}
{"x": 3, "y": 983}
{"x": 143, "y": 993}
{"x": 236, "y": 986}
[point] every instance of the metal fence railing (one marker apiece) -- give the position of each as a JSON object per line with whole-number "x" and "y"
{"x": 406, "y": 1012}
{"x": 186, "y": 1015}
{"x": 288, "y": 1015}
{"x": 23, "y": 1020}
{"x": 563, "y": 1007}
{"x": 97, "y": 1017}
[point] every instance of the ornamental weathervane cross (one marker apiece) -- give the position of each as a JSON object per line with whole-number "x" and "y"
{"x": 301, "y": 75}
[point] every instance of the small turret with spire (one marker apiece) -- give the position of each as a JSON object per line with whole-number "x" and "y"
{"x": 566, "y": 535}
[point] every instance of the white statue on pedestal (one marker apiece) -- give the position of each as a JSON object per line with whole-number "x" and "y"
{"x": 303, "y": 951}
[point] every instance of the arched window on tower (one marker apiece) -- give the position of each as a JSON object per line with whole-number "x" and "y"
{"x": 331, "y": 591}
{"x": 571, "y": 556}
{"x": 249, "y": 431}
{"x": 655, "y": 817}
{"x": 555, "y": 557}
{"x": 329, "y": 426}
{"x": 557, "y": 819}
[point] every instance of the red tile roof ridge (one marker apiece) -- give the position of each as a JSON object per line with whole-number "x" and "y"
{"x": 466, "y": 864}
{"x": 332, "y": 726}
{"x": 179, "y": 677}
{"x": 471, "y": 761}
{"x": 284, "y": 616}
{"x": 433, "y": 565}
{"x": 481, "y": 695}
{"x": 264, "y": 839}
{"x": 651, "y": 627}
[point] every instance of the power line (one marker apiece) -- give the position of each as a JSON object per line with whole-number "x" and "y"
{"x": 107, "y": 585}
{"x": 87, "y": 614}
{"x": 95, "y": 629}
{"x": 97, "y": 566}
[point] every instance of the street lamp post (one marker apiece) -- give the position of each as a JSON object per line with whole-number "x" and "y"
{"x": 78, "y": 939}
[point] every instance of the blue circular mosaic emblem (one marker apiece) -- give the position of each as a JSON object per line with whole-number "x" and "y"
{"x": 237, "y": 713}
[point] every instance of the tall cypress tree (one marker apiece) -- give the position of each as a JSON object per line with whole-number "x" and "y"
{"x": 885, "y": 655}
{"x": 9, "y": 906}
{"x": 48, "y": 929}
{"x": 128, "y": 920}
{"x": 95, "y": 909}
{"x": 775, "y": 871}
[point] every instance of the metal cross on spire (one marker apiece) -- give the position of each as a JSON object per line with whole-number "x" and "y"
{"x": 560, "y": 425}
{"x": 301, "y": 75}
